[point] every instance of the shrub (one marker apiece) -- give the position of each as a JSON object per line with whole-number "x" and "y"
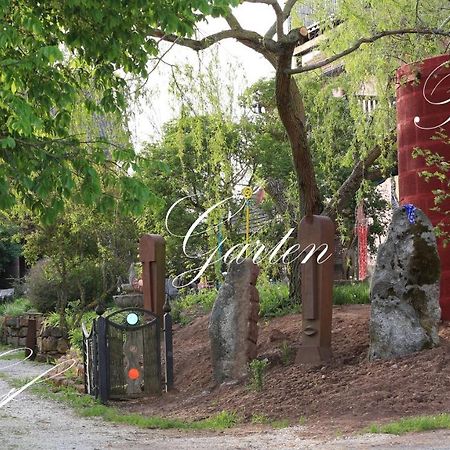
{"x": 43, "y": 285}
{"x": 273, "y": 302}
{"x": 205, "y": 298}
{"x": 42, "y": 290}
{"x": 257, "y": 369}
{"x": 76, "y": 332}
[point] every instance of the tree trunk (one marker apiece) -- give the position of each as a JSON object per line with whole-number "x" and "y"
{"x": 291, "y": 111}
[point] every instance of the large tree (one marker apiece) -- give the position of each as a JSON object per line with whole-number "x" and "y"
{"x": 361, "y": 22}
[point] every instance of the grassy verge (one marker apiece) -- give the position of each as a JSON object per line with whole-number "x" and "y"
{"x": 87, "y": 406}
{"x": 413, "y": 424}
{"x": 12, "y": 356}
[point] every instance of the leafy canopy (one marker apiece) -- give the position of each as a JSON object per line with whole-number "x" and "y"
{"x": 53, "y": 55}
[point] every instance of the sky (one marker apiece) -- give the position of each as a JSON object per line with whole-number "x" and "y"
{"x": 157, "y": 107}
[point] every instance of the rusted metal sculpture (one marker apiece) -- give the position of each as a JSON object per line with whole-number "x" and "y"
{"x": 152, "y": 254}
{"x": 316, "y": 290}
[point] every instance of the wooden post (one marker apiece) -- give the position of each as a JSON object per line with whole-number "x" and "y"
{"x": 317, "y": 291}
{"x": 152, "y": 254}
{"x": 31, "y": 339}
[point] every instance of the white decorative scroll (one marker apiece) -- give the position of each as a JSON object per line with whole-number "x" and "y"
{"x": 429, "y": 97}
{"x": 11, "y": 394}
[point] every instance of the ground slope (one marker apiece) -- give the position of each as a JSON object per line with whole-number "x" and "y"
{"x": 347, "y": 394}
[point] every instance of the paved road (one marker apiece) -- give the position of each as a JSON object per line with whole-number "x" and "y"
{"x": 32, "y": 423}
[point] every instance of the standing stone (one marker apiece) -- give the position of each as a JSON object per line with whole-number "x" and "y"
{"x": 405, "y": 289}
{"x": 233, "y": 326}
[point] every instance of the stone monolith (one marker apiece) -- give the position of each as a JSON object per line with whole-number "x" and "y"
{"x": 404, "y": 291}
{"x": 233, "y": 326}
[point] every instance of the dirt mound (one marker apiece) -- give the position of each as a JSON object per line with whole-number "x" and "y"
{"x": 348, "y": 393}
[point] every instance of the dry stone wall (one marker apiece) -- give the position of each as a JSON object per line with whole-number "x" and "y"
{"x": 51, "y": 341}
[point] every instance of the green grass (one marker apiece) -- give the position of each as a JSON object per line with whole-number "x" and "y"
{"x": 278, "y": 424}
{"x": 413, "y": 424}
{"x": 259, "y": 419}
{"x": 262, "y": 419}
{"x": 12, "y": 356}
{"x": 15, "y": 308}
{"x": 219, "y": 421}
{"x": 4, "y": 348}
{"x": 351, "y": 294}
{"x": 87, "y": 406}
{"x": 273, "y": 300}
{"x": 184, "y": 307}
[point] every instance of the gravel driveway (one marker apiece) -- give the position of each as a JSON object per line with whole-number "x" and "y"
{"x": 30, "y": 422}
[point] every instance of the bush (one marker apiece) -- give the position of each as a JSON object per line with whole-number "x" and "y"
{"x": 273, "y": 302}
{"x": 43, "y": 285}
{"x": 76, "y": 332}
{"x": 42, "y": 291}
{"x": 351, "y": 294}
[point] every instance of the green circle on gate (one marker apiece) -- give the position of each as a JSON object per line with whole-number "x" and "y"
{"x": 132, "y": 319}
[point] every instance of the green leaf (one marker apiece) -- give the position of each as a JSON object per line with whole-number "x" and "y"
{"x": 7, "y": 142}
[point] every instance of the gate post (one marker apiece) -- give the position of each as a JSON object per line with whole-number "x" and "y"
{"x": 168, "y": 345}
{"x": 85, "y": 360}
{"x": 103, "y": 363}
{"x": 31, "y": 341}
{"x": 152, "y": 254}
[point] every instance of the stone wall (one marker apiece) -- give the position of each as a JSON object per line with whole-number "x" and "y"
{"x": 51, "y": 341}
{"x": 15, "y": 330}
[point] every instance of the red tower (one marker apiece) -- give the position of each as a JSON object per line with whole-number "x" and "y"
{"x": 423, "y": 109}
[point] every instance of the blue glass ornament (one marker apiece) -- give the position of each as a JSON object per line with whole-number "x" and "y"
{"x": 410, "y": 212}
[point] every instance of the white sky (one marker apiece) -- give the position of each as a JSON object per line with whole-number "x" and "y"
{"x": 156, "y": 109}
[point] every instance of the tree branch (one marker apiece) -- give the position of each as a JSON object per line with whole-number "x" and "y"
{"x": 233, "y": 22}
{"x": 286, "y": 13}
{"x": 366, "y": 40}
{"x": 349, "y": 187}
{"x": 198, "y": 45}
{"x": 278, "y": 11}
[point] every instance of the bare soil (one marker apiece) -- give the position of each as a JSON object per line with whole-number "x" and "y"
{"x": 345, "y": 395}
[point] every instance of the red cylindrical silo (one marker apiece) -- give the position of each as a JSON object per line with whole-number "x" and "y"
{"x": 423, "y": 109}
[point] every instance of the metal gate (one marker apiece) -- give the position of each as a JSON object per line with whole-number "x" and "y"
{"x": 122, "y": 355}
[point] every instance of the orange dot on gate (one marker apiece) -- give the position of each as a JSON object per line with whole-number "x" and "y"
{"x": 133, "y": 374}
